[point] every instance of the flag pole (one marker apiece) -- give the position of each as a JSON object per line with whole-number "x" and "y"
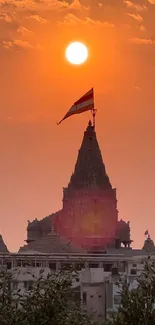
{"x": 94, "y": 112}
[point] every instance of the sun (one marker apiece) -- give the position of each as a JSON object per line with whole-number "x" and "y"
{"x": 76, "y": 53}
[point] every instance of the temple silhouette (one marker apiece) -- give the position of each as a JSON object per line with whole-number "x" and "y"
{"x": 88, "y": 220}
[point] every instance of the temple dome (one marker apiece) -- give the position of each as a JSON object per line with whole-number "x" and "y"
{"x": 123, "y": 231}
{"x": 33, "y": 224}
{"x": 51, "y": 243}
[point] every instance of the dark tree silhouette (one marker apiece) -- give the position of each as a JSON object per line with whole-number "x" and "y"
{"x": 49, "y": 301}
{"x": 137, "y": 306}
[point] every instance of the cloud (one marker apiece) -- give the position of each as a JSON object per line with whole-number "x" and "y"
{"x": 71, "y": 19}
{"x": 76, "y": 5}
{"x": 40, "y": 5}
{"x": 135, "y": 6}
{"x": 38, "y": 18}
{"x": 9, "y": 45}
{"x": 137, "y": 88}
{"x": 6, "y": 17}
{"x": 18, "y": 4}
{"x": 98, "y": 23}
{"x": 152, "y": 2}
{"x": 142, "y": 28}
{"x": 142, "y": 41}
{"x": 33, "y": 5}
{"x": 37, "y": 7}
{"x": 136, "y": 17}
{"x": 23, "y": 31}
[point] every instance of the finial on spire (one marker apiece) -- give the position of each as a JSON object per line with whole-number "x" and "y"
{"x": 94, "y": 114}
{"x": 147, "y": 234}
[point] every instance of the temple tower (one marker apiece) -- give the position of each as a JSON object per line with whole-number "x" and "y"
{"x": 89, "y": 216}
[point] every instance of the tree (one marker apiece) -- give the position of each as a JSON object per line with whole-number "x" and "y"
{"x": 49, "y": 301}
{"x": 137, "y": 305}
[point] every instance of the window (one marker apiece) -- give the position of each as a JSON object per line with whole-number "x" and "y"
{"x": 43, "y": 264}
{"x": 52, "y": 266}
{"x": 24, "y": 264}
{"x": 66, "y": 266}
{"x": 33, "y": 263}
{"x": 15, "y": 285}
{"x": 38, "y": 264}
{"x": 18, "y": 263}
{"x": 99, "y": 296}
{"x": 25, "y": 284}
{"x": 134, "y": 265}
{"x": 84, "y": 299}
{"x": 133, "y": 271}
{"x": 107, "y": 267}
{"x": 29, "y": 263}
{"x": 117, "y": 299}
{"x": 28, "y": 284}
{"x": 8, "y": 265}
{"x": 91, "y": 296}
{"x": 76, "y": 296}
{"x": 114, "y": 271}
{"x": 79, "y": 266}
{"x": 93, "y": 265}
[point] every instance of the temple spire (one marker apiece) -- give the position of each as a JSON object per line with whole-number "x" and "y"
{"x": 3, "y": 247}
{"x": 89, "y": 168}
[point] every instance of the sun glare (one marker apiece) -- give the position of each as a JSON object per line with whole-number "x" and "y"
{"x": 76, "y": 53}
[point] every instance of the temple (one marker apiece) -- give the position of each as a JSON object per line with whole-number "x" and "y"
{"x": 88, "y": 219}
{"x": 3, "y": 247}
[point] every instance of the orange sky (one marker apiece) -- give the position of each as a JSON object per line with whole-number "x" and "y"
{"x": 38, "y": 86}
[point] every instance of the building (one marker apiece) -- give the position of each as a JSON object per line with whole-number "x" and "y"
{"x": 95, "y": 279}
{"x": 85, "y": 234}
{"x": 88, "y": 219}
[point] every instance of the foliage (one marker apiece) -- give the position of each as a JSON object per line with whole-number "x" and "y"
{"x": 138, "y": 305}
{"x": 48, "y": 302}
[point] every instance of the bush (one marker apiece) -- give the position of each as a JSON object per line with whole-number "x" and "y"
{"x": 49, "y": 301}
{"x": 137, "y": 306}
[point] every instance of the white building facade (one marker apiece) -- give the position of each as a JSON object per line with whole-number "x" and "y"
{"x": 95, "y": 278}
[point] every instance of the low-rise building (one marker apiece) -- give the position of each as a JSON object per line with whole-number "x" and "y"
{"x": 95, "y": 276}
